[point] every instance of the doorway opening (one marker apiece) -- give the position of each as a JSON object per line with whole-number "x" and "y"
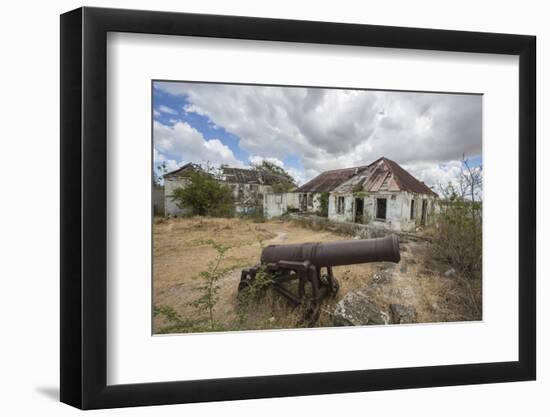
{"x": 359, "y": 209}
{"x": 424, "y": 212}
{"x": 381, "y": 204}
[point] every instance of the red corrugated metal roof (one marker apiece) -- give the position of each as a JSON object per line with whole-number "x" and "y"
{"x": 406, "y": 181}
{"x": 381, "y": 175}
{"x": 328, "y": 180}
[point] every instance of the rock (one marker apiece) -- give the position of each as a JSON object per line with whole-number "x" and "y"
{"x": 402, "y": 314}
{"x": 382, "y": 277}
{"x": 386, "y": 266}
{"x": 355, "y": 309}
{"x": 403, "y": 268}
{"x": 451, "y": 273}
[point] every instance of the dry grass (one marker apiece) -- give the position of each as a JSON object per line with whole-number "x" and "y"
{"x": 180, "y": 254}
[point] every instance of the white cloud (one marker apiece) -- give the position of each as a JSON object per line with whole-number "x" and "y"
{"x": 189, "y": 145}
{"x": 165, "y": 109}
{"x": 256, "y": 159}
{"x": 331, "y": 128}
{"x": 298, "y": 175}
{"x": 436, "y": 175}
{"x": 191, "y": 108}
{"x": 159, "y": 159}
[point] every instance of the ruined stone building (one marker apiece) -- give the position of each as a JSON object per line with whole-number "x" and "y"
{"x": 309, "y": 194}
{"x": 179, "y": 178}
{"x": 307, "y": 198}
{"x": 382, "y": 195}
{"x": 247, "y": 185}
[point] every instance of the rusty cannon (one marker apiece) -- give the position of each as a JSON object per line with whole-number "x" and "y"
{"x": 311, "y": 265}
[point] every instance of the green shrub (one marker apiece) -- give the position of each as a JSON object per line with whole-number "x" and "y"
{"x": 208, "y": 296}
{"x": 209, "y": 288}
{"x": 458, "y": 236}
{"x": 323, "y": 204}
{"x": 205, "y": 196}
{"x": 178, "y": 324}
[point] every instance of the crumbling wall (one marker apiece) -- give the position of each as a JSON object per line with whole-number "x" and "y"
{"x": 345, "y": 215}
{"x": 170, "y": 206}
{"x": 398, "y": 210}
{"x": 309, "y": 202}
{"x": 158, "y": 200}
{"x": 275, "y": 205}
{"x": 395, "y": 219}
{"x": 249, "y": 197}
{"x": 431, "y": 210}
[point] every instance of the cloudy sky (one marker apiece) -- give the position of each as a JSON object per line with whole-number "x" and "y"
{"x": 310, "y": 130}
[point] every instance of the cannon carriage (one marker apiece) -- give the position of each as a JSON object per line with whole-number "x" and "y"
{"x": 311, "y": 265}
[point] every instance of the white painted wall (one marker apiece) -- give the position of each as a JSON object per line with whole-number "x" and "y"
{"x": 170, "y": 206}
{"x": 315, "y": 201}
{"x": 276, "y": 205}
{"x": 249, "y": 191}
{"x": 346, "y": 215}
{"x": 245, "y": 195}
{"x": 397, "y": 210}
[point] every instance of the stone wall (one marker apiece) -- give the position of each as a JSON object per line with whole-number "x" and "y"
{"x": 275, "y": 205}
{"x": 247, "y": 196}
{"x": 158, "y": 200}
{"x": 398, "y": 210}
{"x": 170, "y": 207}
{"x": 309, "y": 202}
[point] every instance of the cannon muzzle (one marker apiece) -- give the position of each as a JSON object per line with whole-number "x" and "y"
{"x": 342, "y": 252}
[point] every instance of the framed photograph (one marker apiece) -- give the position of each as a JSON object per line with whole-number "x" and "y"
{"x": 257, "y": 208}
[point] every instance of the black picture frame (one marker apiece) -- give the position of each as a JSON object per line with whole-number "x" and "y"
{"x": 84, "y": 207}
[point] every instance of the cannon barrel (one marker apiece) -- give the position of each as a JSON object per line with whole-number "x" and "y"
{"x": 342, "y": 252}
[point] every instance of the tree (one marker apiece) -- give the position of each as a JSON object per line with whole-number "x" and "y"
{"x": 285, "y": 183}
{"x": 458, "y": 238}
{"x": 205, "y": 196}
{"x": 470, "y": 181}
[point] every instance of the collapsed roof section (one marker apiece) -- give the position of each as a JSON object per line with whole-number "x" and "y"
{"x": 329, "y": 180}
{"x": 231, "y": 175}
{"x": 381, "y": 175}
{"x": 384, "y": 175}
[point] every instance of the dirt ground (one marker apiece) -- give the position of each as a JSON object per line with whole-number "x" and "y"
{"x": 181, "y": 254}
